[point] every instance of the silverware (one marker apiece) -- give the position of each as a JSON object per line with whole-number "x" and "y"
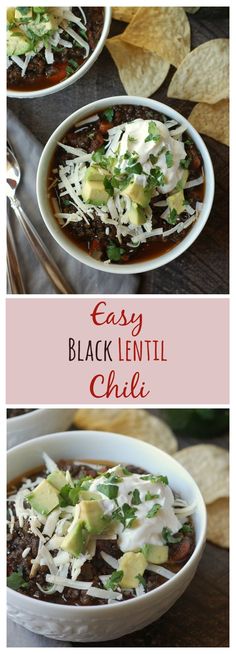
{"x": 41, "y": 251}
{"x": 13, "y": 267}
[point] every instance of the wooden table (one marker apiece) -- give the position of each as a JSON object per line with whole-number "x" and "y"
{"x": 200, "y": 617}
{"x": 204, "y": 267}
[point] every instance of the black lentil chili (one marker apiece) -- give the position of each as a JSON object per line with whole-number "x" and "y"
{"x": 21, "y": 538}
{"x": 40, "y": 75}
{"x": 92, "y": 236}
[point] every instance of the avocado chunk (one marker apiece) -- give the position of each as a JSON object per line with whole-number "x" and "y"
{"x": 44, "y": 498}
{"x": 136, "y": 215}
{"x": 91, "y": 512}
{"x": 138, "y": 194}
{"x": 89, "y": 495}
{"x": 176, "y": 201}
{"x": 94, "y": 193}
{"x": 17, "y": 43}
{"x": 75, "y": 541}
{"x": 156, "y": 553}
{"x": 57, "y": 478}
{"x": 22, "y": 13}
{"x": 10, "y": 14}
{"x": 132, "y": 564}
{"x": 95, "y": 174}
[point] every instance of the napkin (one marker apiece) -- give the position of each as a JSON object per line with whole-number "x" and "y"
{"x": 83, "y": 279}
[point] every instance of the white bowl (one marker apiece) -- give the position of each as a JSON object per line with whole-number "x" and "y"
{"x": 105, "y": 622}
{"x": 74, "y": 249}
{"x": 37, "y": 423}
{"x": 78, "y": 74}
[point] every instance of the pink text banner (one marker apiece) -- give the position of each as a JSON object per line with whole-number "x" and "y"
{"x": 160, "y": 351}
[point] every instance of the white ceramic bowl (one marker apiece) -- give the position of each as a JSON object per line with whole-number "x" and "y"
{"x": 78, "y": 74}
{"x": 60, "y": 235}
{"x": 37, "y": 423}
{"x": 101, "y": 623}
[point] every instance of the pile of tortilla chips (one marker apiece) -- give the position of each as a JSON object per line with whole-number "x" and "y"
{"x": 208, "y": 464}
{"x": 156, "y": 38}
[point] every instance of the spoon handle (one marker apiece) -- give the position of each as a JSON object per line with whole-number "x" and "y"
{"x": 40, "y": 250}
{"x": 13, "y": 267}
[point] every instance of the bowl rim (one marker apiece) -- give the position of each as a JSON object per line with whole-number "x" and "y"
{"x": 77, "y": 74}
{"x": 161, "y": 589}
{"x": 24, "y": 415}
{"x": 72, "y": 248}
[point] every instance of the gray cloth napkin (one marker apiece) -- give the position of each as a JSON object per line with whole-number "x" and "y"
{"x": 83, "y": 279}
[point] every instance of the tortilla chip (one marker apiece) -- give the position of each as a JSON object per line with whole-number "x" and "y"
{"x": 212, "y": 120}
{"x": 209, "y": 466}
{"x": 191, "y": 10}
{"x": 137, "y": 423}
{"x": 203, "y": 76}
{"x": 218, "y": 522}
{"x": 124, "y": 13}
{"x": 141, "y": 72}
{"x": 162, "y": 30}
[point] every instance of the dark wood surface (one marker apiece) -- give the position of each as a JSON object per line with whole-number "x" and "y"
{"x": 204, "y": 267}
{"x": 200, "y": 617}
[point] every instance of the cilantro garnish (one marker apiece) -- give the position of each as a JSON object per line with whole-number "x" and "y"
{"x": 156, "y": 178}
{"x": 16, "y": 581}
{"x": 136, "y": 497}
{"x": 69, "y": 70}
{"x": 132, "y": 139}
{"x": 155, "y": 479}
{"x": 114, "y": 252}
{"x": 99, "y": 157}
{"x": 69, "y": 496}
{"x": 153, "y": 159}
{"x": 110, "y": 490}
{"x": 108, "y": 185}
{"x": 172, "y": 217}
{"x": 169, "y": 159}
{"x": 141, "y": 580}
{"x": 168, "y": 536}
{"x": 186, "y": 528}
{"x": 109, "y": 114}
{"x": 126, "y": 472}
{"x": 153, "y": 132}
{"x": 153, "y": 511}
{"x": 114, "y": 580}
{"x": 73, "y": 63}
{"x": 150, "y": 496}
{"x": 184, "y": 163}
{"x": 125, "y": 514}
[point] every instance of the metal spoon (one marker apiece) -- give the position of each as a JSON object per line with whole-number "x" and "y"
{"x": 15, "y": 280}
{"x": 41, "y": 251}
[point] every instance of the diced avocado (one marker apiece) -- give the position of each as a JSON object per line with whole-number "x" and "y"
{"x": 185, "y": 177}
{"x": 10, "y": 14}
{"x": 95, "y": 174}
{"x": 136, "y": 215}
{"x": 139, "y": 194}
{"x": 47, "y": 24}
{"x": 94, "y": 193}
{"x": 57, "y": 478}
{"x": 22, "y": 13}
{"x": 132, "y": 564}
{"x": 176, "y": 201}
{"x": 76, "y": 541}
{"x": 44, "y": 498}
{"x": 17, "y": 43}
{"x": 156, "y": 553}
{"x": 91, "y": 512}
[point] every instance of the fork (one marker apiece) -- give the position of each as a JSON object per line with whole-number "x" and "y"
{"x": 39, "y": 248}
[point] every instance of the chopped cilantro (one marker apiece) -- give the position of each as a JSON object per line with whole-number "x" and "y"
{"x": 110, "y": 490}
{"x": 156, "y": 178}
{"x": 99, "y": 157}
{"x": 125, "y": 514}
{"x": 108, "y": 185}
{"x": 136, "y": 497}
{"x": 153, "y": 159}
{"x": 150, "y": 496}
{"x": 69, "y": 70}
{"x": 172, "y": 217}
{"x": 114, "y": 580}
{"x": 141, "y": 580}
{"x": 168, "y": 536}
{"x": 153, "y": 132}
{"x": 69, "y": 496}
{"x": 153, "y": 511}
{"x": 184, "y": 163}
{"x": 108, "y": 114}
{"x": 73, "y": 63}
{"x": 126, "y": 472}
{"x": 16, "y": 581}
{"x": 132, "y": 139}
{"x": 187, "y": 528}
{"x": 169, "y": 159}
{"x": 155, "y": 479}
{"x": 114, "y": 252}
{"x": 84, "y": 36}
